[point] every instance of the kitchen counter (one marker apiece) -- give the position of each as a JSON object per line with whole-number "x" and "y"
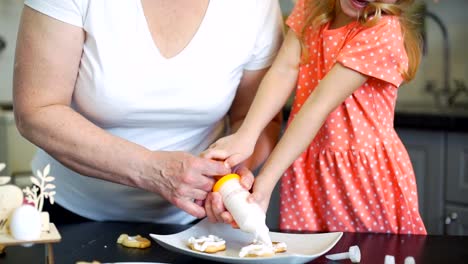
{"x": 97, "y": 241}
{"x": 425, "y": 116}
{"x": 430, "y": 117}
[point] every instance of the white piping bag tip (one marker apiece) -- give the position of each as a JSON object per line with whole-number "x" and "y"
{"x": 410, "y": 260}
{"x": 353, "y": 254}
{"x": 389, "y": 259}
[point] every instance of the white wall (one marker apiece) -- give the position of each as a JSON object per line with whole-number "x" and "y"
{"x": 452, "y": 13}
{"x": 15, "y": 151}
{"x": 9, "y": 19}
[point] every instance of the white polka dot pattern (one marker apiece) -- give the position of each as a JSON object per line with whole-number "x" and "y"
{"x": 356, "y": 174}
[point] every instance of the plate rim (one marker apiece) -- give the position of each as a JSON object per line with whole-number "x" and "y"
{"x": 159, "y": 238}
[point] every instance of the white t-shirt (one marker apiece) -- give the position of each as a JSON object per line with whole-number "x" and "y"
{"x": 128, "y": 88}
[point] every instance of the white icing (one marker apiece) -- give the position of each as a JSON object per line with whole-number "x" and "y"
{"x": 280, "y": 245}
{"x": 258, "y": 249}
{"x": 262, "y": 236}
{"x": 203, "y": 242}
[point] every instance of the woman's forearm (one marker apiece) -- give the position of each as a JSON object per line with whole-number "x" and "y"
{"x": 47, "y": 59}
{"x": 82, "y": 146}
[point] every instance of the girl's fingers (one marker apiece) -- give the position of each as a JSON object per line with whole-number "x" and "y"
{"x": 234, "y": 159}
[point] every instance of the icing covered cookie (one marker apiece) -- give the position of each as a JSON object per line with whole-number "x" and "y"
{"x": 262, "y": 250}
{"x": 207, "y": 244}
{"x": 133, "y": 241}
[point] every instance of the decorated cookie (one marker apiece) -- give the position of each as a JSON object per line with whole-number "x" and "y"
{"x": 262, "y": 250}
{"x": 207, "y": 244}
{"x": 133, "y": 241}
{"x": 279, "y": 247}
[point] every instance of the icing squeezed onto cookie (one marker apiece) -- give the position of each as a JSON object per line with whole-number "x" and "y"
{"x": 258, "y": 249}
{"x": 280, "y": 246}
{"x": 249, "y": 216}
{"x": 262, "y": 236}
{"x": 203, "y": 242}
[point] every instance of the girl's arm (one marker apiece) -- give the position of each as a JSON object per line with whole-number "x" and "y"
{"x": 332, "y": 90}
{"x": 245, "y": 93}
{"x": 286, "y": 65}
{"x": 271, "y": 96}
{"x": 274, "y": 89}
{"x": 248, "y": 87}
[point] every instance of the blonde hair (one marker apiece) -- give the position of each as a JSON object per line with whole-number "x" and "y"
{"x": 410, "y": 15}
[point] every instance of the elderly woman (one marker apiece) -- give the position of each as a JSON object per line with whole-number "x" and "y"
{"x": 122, "y": 96}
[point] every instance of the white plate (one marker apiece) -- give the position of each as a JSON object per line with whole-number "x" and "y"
{"x": 302, "y": 248}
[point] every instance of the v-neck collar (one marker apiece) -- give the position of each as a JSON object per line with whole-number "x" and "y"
{"x": 187, "y": 47}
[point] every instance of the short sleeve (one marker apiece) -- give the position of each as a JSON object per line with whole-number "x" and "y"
{"x": 68, "y": 11}
{"x": 296, "y": 19}
{"x": 269, "y": 36}
{"x": 377, "y": 51}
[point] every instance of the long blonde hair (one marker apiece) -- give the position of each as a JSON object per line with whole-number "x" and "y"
{"x": 409, "y": 13}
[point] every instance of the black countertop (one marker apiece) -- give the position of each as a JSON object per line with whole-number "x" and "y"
{"x": 430, "y": 117}
{"x": 97, "y": 241}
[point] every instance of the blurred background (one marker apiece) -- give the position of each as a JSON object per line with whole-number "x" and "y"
{"x": 431, "y": 115}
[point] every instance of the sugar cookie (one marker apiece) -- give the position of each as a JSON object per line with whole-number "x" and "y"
{"x": 207, "y": 244}
{"x": 261, "y": 250}
{"x": 133, "y": 241}
{"x": 256, "y": 250}
{"x": 279, "y": 247}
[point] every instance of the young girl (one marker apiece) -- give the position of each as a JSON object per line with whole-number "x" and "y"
{"x": 350, "y": 171}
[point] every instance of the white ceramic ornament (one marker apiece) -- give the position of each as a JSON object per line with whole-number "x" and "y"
{"x": 25, "y": 223}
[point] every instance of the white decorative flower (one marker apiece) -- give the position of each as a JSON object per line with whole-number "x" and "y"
{"x": 43, "y": 188}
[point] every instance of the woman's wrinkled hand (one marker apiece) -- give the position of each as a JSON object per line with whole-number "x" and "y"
{"x": 182, "y": 178}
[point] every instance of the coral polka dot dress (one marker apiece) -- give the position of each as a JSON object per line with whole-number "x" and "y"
{"x": 356, "y": 174}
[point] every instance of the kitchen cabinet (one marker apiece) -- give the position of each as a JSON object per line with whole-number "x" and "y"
{"x": 440, "y": 160}
{"x": 427, "y": 152}
{"x": 457, "y": 171}
{"x": 456, "y": 189}
{"x": 456, "y": 220}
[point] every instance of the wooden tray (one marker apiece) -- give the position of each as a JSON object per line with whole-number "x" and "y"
{"x": 51, "y": 236}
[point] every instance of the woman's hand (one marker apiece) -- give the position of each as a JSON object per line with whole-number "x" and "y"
{"x": 214, "y": 206}
{"x": 233, "y": 149}
{"x": 181, "y": 178}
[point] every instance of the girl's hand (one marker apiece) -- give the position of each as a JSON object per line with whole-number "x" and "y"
{"x": 233, "y": 149}
{"x": 260, "y": 195}
{"x": 214, "y": 207}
